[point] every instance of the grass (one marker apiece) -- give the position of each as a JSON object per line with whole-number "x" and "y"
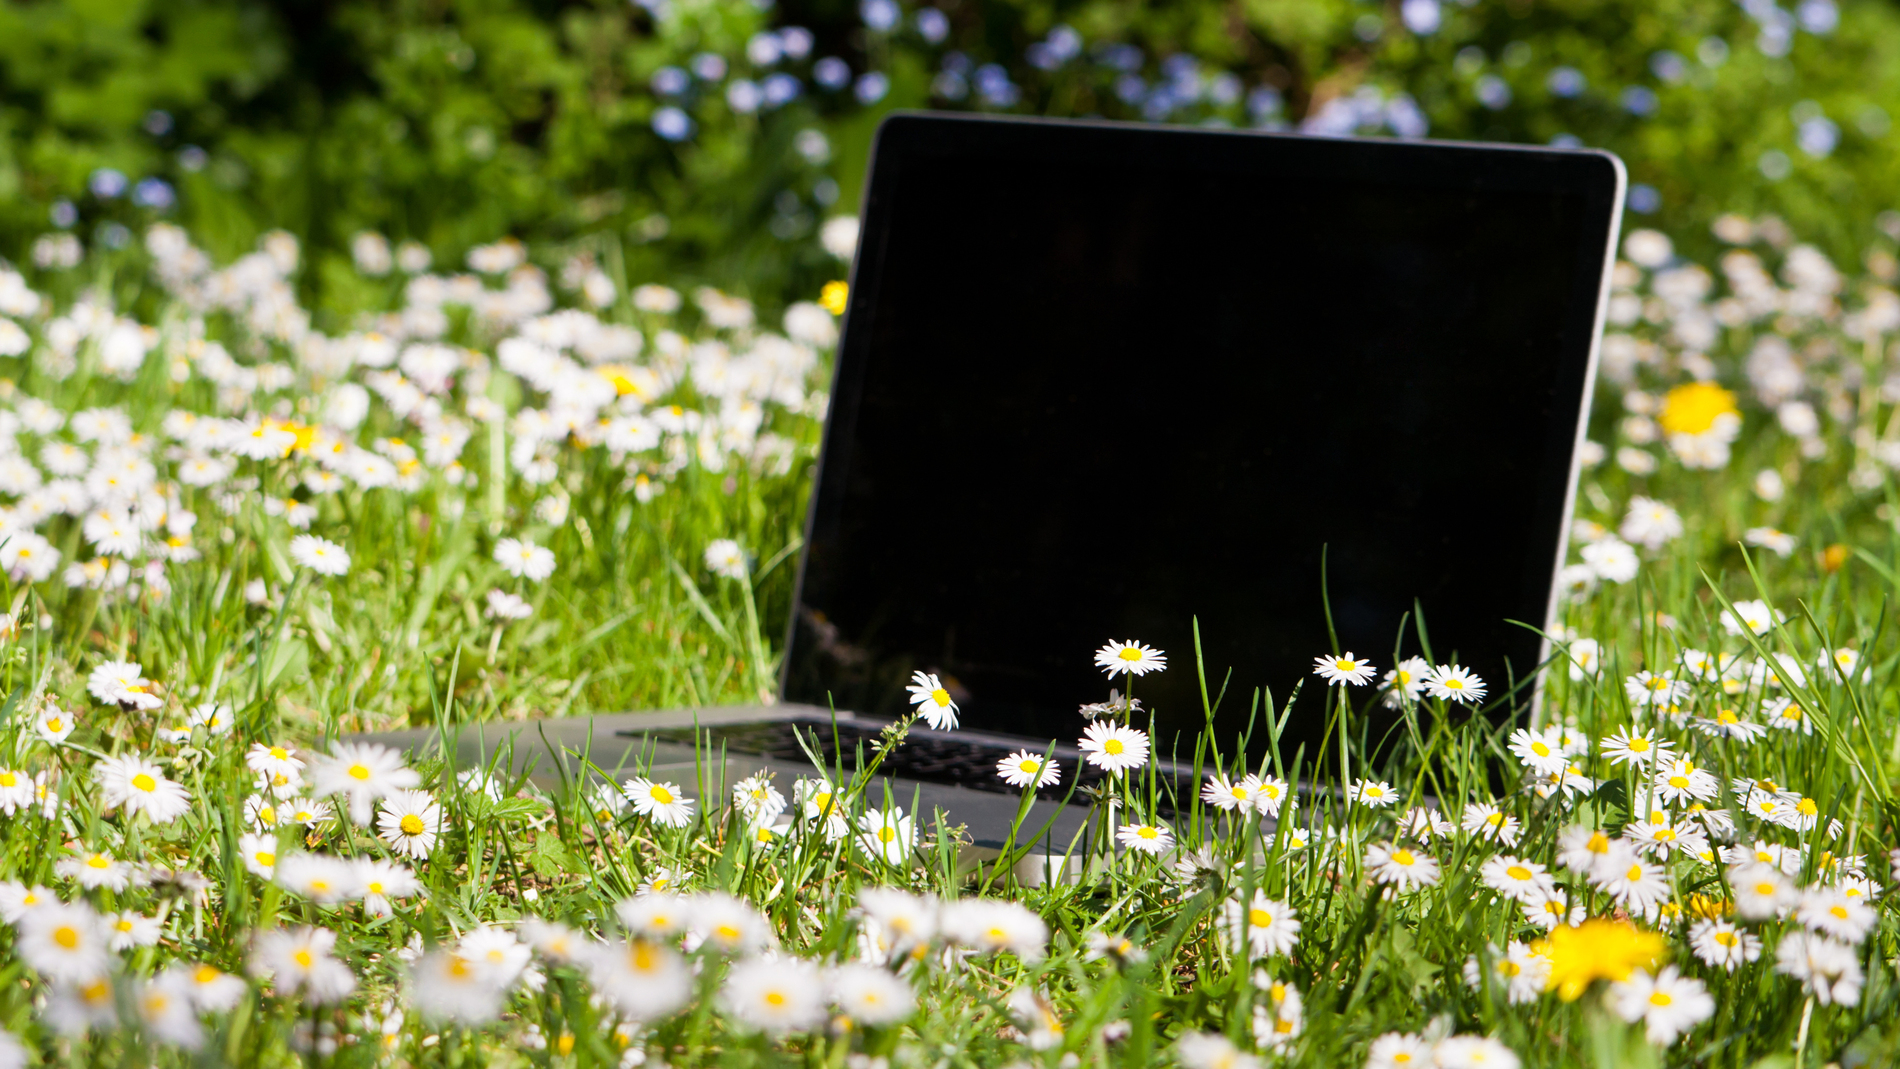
{"x": 1144, "y": 960}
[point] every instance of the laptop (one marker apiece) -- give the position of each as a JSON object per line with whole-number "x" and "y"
{"x": 1247, "y": 398}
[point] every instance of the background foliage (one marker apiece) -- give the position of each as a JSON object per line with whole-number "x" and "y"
{"x": 451, "y": 121}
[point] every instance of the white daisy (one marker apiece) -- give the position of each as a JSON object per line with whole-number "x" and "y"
{"x": 1669, "y": 1004}
{"x": 274, "y": 760}
{"x": 775, "y": 995}
{"x": 1424, "y": 824}
{"x": 1473, "y": 1052}
{"x": 410, "y": 822}
{"x": 1834, "y": 914}
{"x": 1341, "y": 671}
{"x": 1541, "y": 751}
{"x": 95, "y": 870}
{"x": 1400, "y": 866}
{"x": 444, "y": 986}
{"x": 1131, "y": 658}
{"x": 1114, "y": 748}
{"x": 302, "y": 961}
{"x": 903, "y": 920}
{"x": 723, "y": 923}
{"x": 1265, "y": 927}
{"x": 1722, "y": 945}
{"x": 53, "y": 724}
{"x": 1550, "y": 911}
{"x": 362, "y": 772}
{"x": 523, "y": 559}
{"x": 1755, "y": 617}
{"x": 1761, "y": 892}
{"x": 1487, "y": 821}
{"x": 986, "y": 925}
{"x": 1680, "y": 781}
{"x": 1405, "y": 683}
{"x": 259, "y": 853}
{"x": 1636, "y": 747}
{"x": 1827, "y": 969}
{"x": 320, "y": 555}
{"x": 1516, "y": 878}
{"x": 65, "y": 943}
{"x": 1023, "y": 767}
{"x": 933, "y": 702}
{"x": 724, "y": 557}
{"x": 1373, "y": 794}
{"x": 140, "y": 787}
{"x": 871, "y": 997}
{"x": 1518, "y": 973}
{"x": 1270, "y": 795}
{"x": 127, "y": 930}
{"x": 1228, "y": 795}
{"x": 1399, "y": 1050}
{"x": 321, "y": 878}
{"x": 1637, "y": 885}
{"x": 661, "y": 802}
{"x": 644, "y": 979}
{"x": 887, "y": 834}
{"x": 1727, "y": 723}
{"x": 1454, "y": 683}
{"x": 757, "y": 799}
{"x": 1146, "y": 838}
{"x": 505, "y": 606}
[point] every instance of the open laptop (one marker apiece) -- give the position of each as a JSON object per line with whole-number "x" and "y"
{"x": 1100, "y": 381}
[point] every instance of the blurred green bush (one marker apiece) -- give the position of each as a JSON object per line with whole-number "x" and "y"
{"x": 709, "y": 139}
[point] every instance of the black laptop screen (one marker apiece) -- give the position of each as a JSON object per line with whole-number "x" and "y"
{"x": 1098, "y": 384}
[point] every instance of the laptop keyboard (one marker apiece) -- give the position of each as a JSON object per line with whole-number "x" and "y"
{"x": 925, "y": 755}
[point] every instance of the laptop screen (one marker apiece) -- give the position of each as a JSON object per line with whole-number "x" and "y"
{"x": 1101, "y": 383}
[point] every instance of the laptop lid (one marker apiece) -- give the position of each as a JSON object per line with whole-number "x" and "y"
{"x": 1101, "y": 381}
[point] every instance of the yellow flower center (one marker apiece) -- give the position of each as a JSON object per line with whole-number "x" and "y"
{"x": 940, "y": 696}
{"x": 304, "y": 958}
{"x": 775, "y": 999}
{"x": 1726, "y": 939}
{"x": 359, "y": 772}
{"x": 410, "y": 824}
{"x": 1112, "y": 747}
{"x": 1540, "y": 749}
{"x": 1130, "y": 654}
{"x": 1639, "y": 744}
{"x": 280, "y": 753}
{"x": 66, "y": 936}
{"x": 144, "y": 783}
{"x": 1404, "y": 857}
{"x": 204, "y": 974}
{"x": 1518, "y": 873}
{"x": 99, "y": 861}
{"x": 662, "y": 795}
{"x": 1259, "y": 918}
{"x": 886, "y": 833}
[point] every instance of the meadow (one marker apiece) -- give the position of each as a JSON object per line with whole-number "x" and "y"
{"x": 527, "y": 485}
